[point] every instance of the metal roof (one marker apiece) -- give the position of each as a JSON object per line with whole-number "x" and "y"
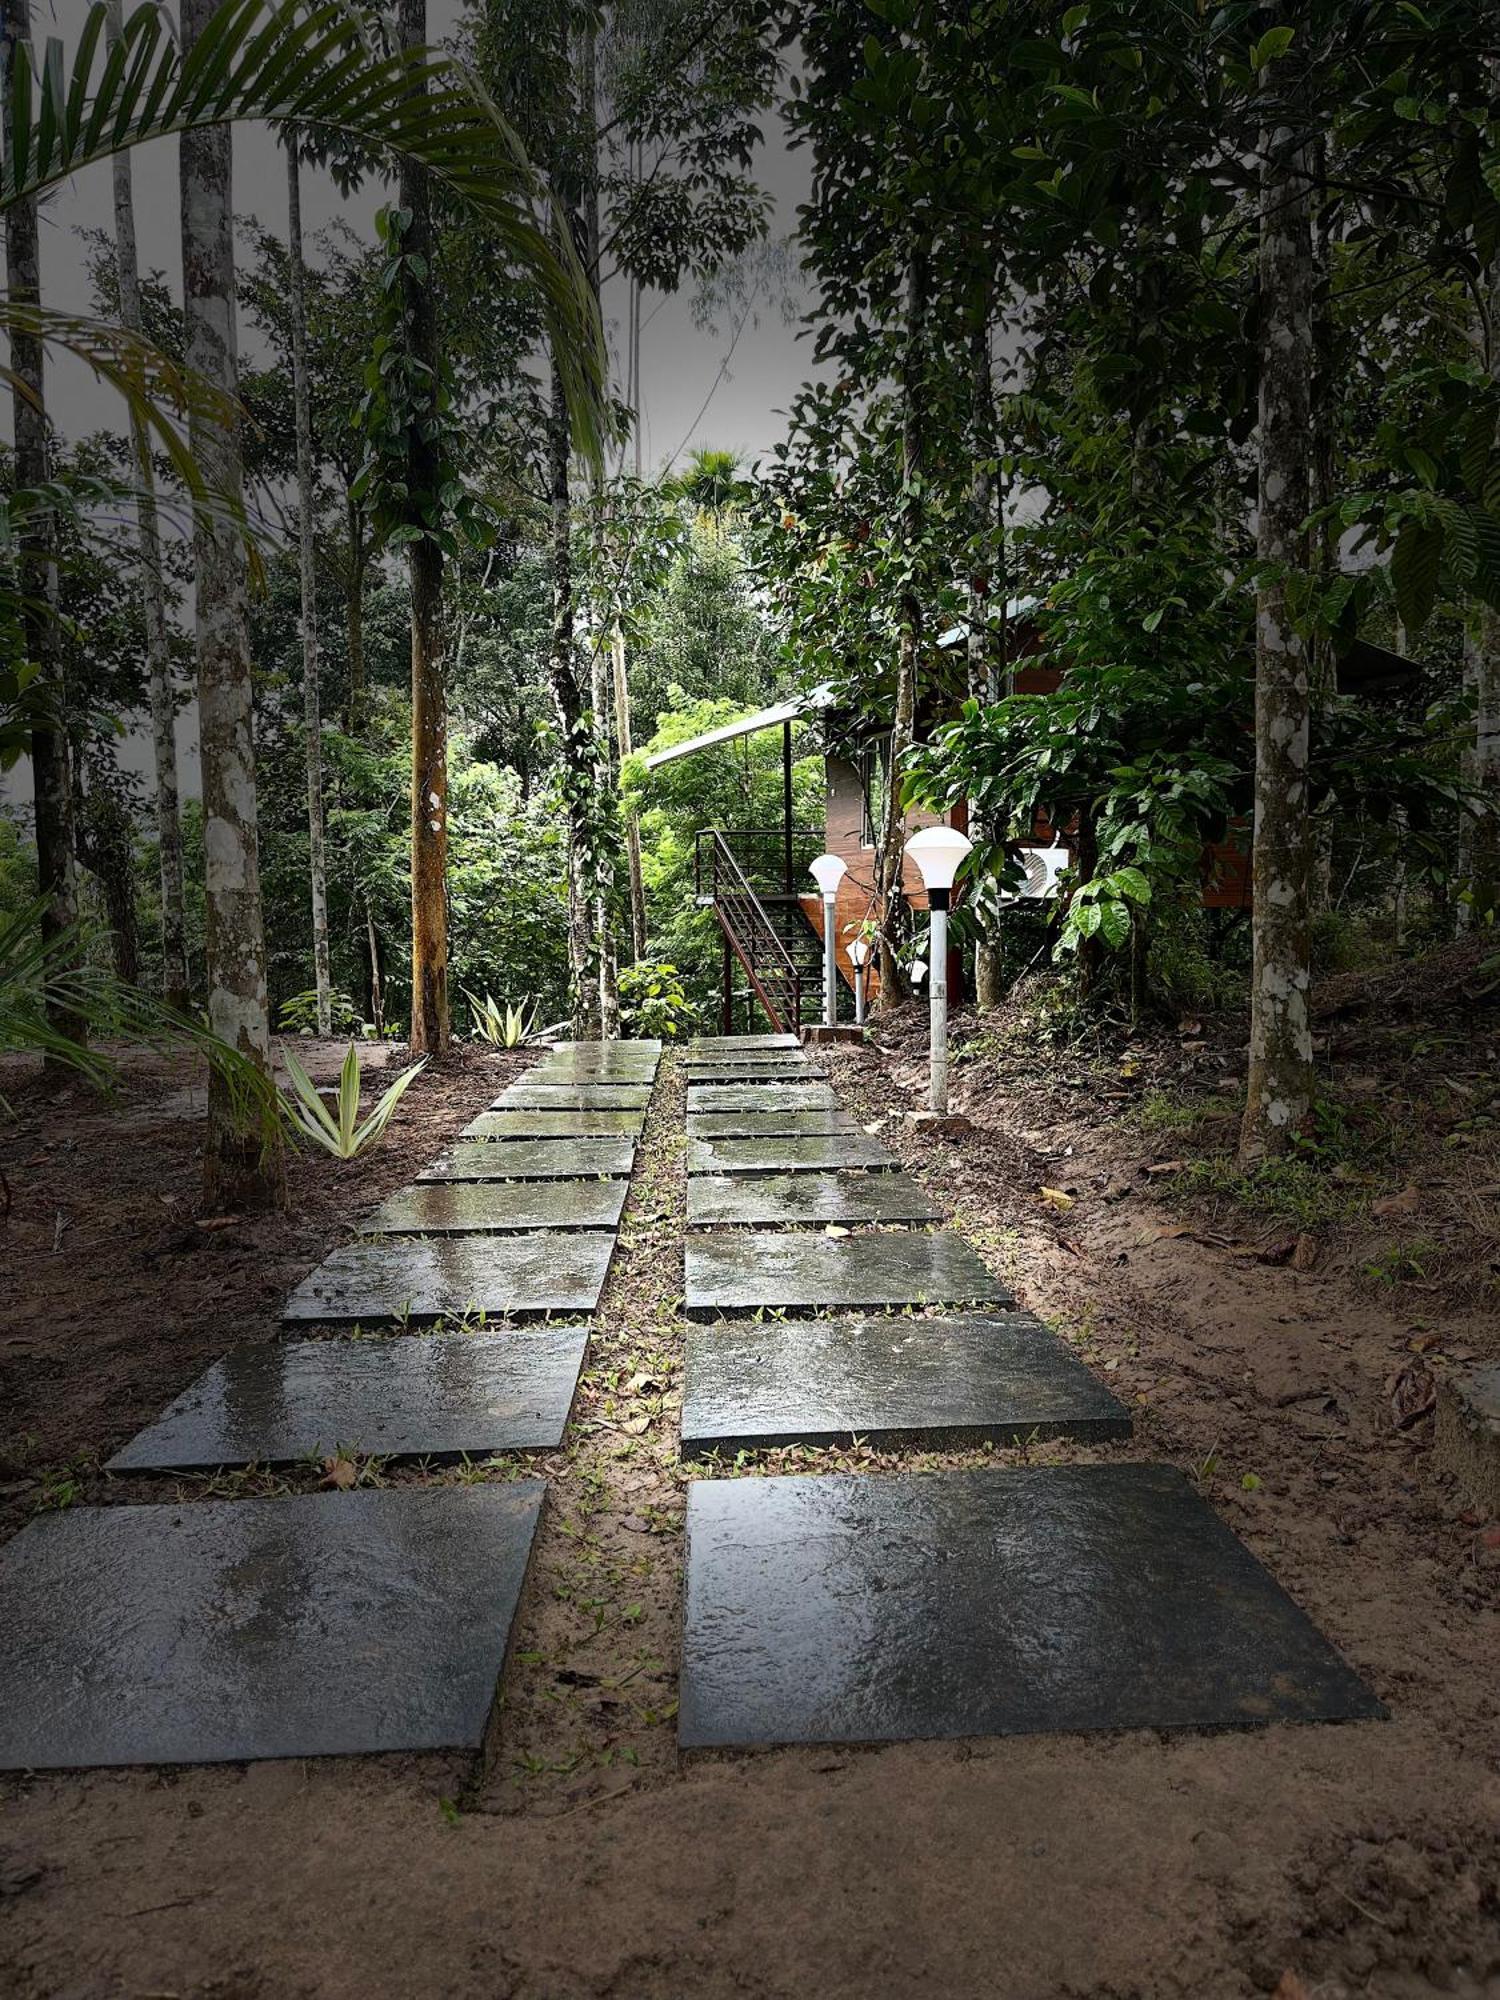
{"x": 748, "y": 725}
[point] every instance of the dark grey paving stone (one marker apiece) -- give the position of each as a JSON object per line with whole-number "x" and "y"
{"x": 524, "y": 1123}
{"x": 530, "y": 1096}
{"x": 986, "y": 1603}
{"x": 961, "y": 1379}
{"x": 739, "y": 1045}
{"x": 794, "y": 1270}
{"x": 394, "y": 1280}
{"x": 807, "y": 1198}
{"x": 806, "y": 1153}
{"x": 788, "y": 1068}
{"x": 479, "y": 1208}
{"x": 568, "y": 1072}
{"x": 638, "y": 1047}
{"x": 760, "y": 1097}
{"x": 532, "y": 1160}
{"x": 332, "y": 1624}
{"x": 770, "y": 1124}
{"x": 441, "y": 1396}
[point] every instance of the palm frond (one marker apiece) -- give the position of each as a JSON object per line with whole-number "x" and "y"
{"x": 311, "y": 66}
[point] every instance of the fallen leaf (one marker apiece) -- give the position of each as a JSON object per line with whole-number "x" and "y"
{"x": 340, "y": 1472}
{"x": 1405, "y": 1203}
{"x": 1055, "y": 1198}
{"x": 1413, "y": 1394}
{"x": 835, "y": 1229}
{"x": 1168, "y": 1167}
{"x": 1073, "y": 1249}
{"x": 216, "y": 1221}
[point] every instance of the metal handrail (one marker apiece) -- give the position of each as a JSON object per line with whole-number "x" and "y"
{"x": 776, "y": 859}
{"x": 751, "y": 933}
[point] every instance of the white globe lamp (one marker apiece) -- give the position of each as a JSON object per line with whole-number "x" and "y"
{"x": 939, "y": 854}
{"x": 828, "y": 871}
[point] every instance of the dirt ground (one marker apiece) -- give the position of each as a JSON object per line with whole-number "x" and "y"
{"x": 1284, "y": 1357}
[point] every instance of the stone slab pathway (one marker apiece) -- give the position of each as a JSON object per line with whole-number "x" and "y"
{"x": 574, "y": 1097}
{"x": 397, "y": 1281}
{"x": 928, "y": 1384}
{"x": 481, "y": 1208}
{"x": 443, "y": 1396}
{"x": 768, "y": 1124}
{"x": 807, "y": 1153}
{"x": 215, "y": 1631}
{"x": 752, "y": 1069}
{"x": 795, "y": 1271}
{"x": 762, "y": 1098}
{"x": 843, "y": 1609}
{"x": 538, "y": 1124}
{"x": 792, "y": 1200}
{"x": 531, "y": 1160}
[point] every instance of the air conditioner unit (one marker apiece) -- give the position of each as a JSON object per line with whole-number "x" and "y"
{"x": 1043, "y": 866}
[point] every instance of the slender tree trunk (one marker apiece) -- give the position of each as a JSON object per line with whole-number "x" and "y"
{"x": 1479, "y": 833}
{"x": 106, "y": 847}
{"x": 174, "y": 973}
{"x": 632, "y": 825}
{"x": 573, "y": 733}
{"x": 1323, "y": 554}
{"x": 1281, "y": 1079}
{"x": 893, "y": 982}
{"x": 429, "y": 719}
{"x": 354, "y": 620}
{"x": 377, "y": 999}
{"x": 312, "y": 707}
{"x": 981, "y": 649}
{"x": 51, "y": 764}
{"x": 242, "y": 1169}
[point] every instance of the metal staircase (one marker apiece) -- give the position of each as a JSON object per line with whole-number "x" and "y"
{"x": 749, "y": 880}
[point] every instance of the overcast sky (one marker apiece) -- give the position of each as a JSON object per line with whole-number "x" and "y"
{"x": 694, "y": 390}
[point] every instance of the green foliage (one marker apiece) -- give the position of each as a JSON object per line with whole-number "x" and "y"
{"x": 298, "y": 1014}
{"x": 343, "y": 1135}
{"x": 504, "y": 1027}
{"x": 653, "y": 1003}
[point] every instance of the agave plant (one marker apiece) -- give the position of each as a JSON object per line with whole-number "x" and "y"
{"x": 502, "y": 1027}
{"x": 42, "y": 977}
{"x": 343, "y": 1136}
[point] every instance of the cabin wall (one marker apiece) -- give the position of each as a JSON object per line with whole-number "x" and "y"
{"x": 844, "y": 830}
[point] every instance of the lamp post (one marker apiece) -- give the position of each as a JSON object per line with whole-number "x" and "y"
{"x": 938, "y": 852}
{"x": 859, "y": 958}
{"x": 828, "y": 871}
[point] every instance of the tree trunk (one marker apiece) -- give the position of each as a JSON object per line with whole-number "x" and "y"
{"x": 1480, "y": 899}
{"x": 893, "y": 982}
{"x": 429, "y": 720}
{"x": 1324, "y": 553}
{"x": 574, "y": 737}
{"x": 51, "y": 767}
{"x": 632, "y": 825}
{"x": 242, "y": 1168}
{"x": 174, "y": 973}
{"x": 981, "y": 647}
{"x": 312, "y": 710}
{"x": 377, "y": 999}
{"x": 1281, "y": 1080}
{"x": 106, "y": 847}
{"x": 354, "y": 620}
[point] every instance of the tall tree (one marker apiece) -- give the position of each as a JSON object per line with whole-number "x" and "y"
{"x": 36, "y": 563}
{"x": 312, "y": 704}
{"x": 243, "y": 1167}
{"x": 429, "y": 716}
{"x": 174, "y": 973}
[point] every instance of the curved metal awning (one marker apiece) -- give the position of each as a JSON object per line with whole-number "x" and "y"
{"x": 792, "y": 710}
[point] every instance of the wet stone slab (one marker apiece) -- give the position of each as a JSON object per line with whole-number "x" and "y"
{"x": 532, "y": 1160}
{"x": 637, "y": 1050}
{"x": 530, "y": 1096}
{"x": 478, "y": 1208}
{"x": 529, "y": 1124}
{"x": 438, "y": 1396}
{"x": 393, "y": 1280}
{"x": 331, "y": 1624}
{"x": 751, "y": 1069}
{"x": 569, "y": 1074}
{"x": 986, "y": 1603}
{"x": 931, "y": 1384}
{"x": 806, "y": 1153}
{"x": 792, "y": 1199}
{"x": 769, "y": 1124}
{"x": 760, "y": 1097}
{"x": 796, "y": 1271}
{"x": 739, "y": 1045}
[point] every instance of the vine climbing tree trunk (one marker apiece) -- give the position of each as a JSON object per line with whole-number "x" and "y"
{"x": 985, "y": 527}
{"x": 243, "y": 1168}
{"x": 312, "y": 706}
{"x": 632, "y": 825}
{"x": 574, "y": 735}
{"x": 1280, "y": 1087}
{"x": 893, "y": 982}
{"x": 1479, "y": 843}
{"x": 51, "y": 771}
{"x": 429, "y": 710}
{"x": 174, "y": 972}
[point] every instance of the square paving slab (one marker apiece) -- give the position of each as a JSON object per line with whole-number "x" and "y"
{"x": 543, "y": 1096}
{"x": 961, "y": 1379}
{"x": 441, "y": 1396}
{"x": 479, "y": 1208}
{"x": 332, "y": 1624}
{"x": 805, "y": 1153}
{"x": 987, "y": 1603}
{"x": 637, "y": 1049}
{"x": 573, "y": 1075}
{"x": 531, "y": 1160}
{"x": 769, "y": 1124}
{"x": 760, "y": 1097}
{"x": 737, "y": 1274}
{"x": 738, "y": 1045}
{"x": 807, "y": 1198}
{"x": 393, "y": 1279}
{"x": 789, "y": 1068}
{"x": 529, "y": 1124}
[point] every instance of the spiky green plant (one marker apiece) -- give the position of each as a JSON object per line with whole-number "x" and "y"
{"x": 343, "y": 1136}
{"x": 502, "y": 1027}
